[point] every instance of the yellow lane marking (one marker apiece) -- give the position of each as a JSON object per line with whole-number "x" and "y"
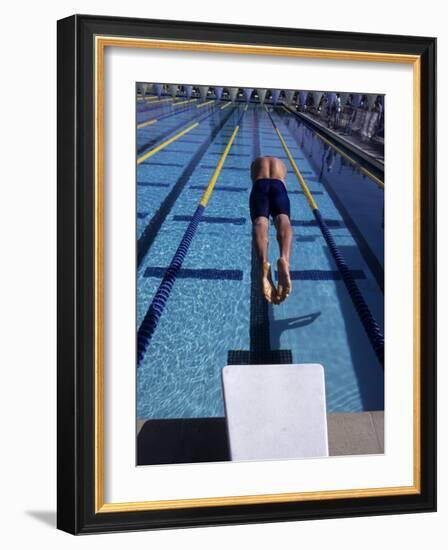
{"x": 146, "y": 123}
{"x": 165, "y": 143}
{"x": 303, "y": 185}
{"x": 159, "y": 100}
{"x": 226, "y": 105}
{"x": 348, "y": 157}
{"x": 207, "y": 193}
{"x": 204, "y": 104}
{"x": 183, "y": 102}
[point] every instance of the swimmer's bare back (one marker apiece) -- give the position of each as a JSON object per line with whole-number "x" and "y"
{"x": 268, "y": 167}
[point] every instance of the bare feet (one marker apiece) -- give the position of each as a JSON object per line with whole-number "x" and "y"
{"x": 267, "y": 284}
{"x": 284, "y": 280}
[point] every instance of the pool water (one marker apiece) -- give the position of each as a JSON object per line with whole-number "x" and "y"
{"x": 215, "y": 314}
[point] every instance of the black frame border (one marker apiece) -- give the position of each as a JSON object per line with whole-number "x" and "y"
{"x": 76, "y": 262}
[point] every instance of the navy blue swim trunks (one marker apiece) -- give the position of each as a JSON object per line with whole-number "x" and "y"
{"x": 268, "y": 197}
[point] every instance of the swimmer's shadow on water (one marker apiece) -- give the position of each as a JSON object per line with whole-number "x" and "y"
{"x": 278, "y": 326}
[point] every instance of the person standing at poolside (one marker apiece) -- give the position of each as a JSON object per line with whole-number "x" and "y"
{"x": 269, "y": 197}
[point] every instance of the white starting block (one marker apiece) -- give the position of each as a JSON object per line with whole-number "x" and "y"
{"x": 275, "y": 411}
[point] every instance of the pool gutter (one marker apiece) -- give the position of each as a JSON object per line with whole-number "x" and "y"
{"x": 376, "y": 164}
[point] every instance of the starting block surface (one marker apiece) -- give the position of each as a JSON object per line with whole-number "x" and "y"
{"x": 275, "y": 411}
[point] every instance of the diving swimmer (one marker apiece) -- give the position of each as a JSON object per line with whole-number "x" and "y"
{"x": 269, "y": 197}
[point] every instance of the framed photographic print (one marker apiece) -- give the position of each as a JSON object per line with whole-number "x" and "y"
{"x": 246, "y": 274}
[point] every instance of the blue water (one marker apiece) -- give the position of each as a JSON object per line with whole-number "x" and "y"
{"x": 208, "y": 312}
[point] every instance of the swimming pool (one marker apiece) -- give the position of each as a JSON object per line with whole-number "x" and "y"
{"x": 214, "y": 314}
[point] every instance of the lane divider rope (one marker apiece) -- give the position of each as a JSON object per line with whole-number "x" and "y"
{"x": 184, "y": 101}
{"x": 369, "y": 323}
{"x": 200, "y": 105}
{"x": 155, "y": 310}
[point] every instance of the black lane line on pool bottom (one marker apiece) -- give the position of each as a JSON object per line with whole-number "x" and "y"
{"x": 221, "y": 188}
{"x": 149, "y": 234}
{"x": 234, "y": 168}
{"x": 205, "y": 274}
{"x": 231, "y": 154}
{"x": 295, "y": 192}
{"x": 211, "y": 219}
{"x": 323, "y": 275}
{"x": 260, "y": 352}
{"x": 170, "y": 164}
{"x": 237, "y": 275}
{"x": 313, "y": 223}
{"x": 152, "y": 184}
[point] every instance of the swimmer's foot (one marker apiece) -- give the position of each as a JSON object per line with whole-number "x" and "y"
{"x": 284, "y": 280}
{"x": 267, "y": 284}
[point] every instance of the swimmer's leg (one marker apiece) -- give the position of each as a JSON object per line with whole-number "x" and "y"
{"x": 260, "y": 240}
{"x": 284, "y": 238}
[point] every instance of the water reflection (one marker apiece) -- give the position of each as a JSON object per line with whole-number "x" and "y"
{"x": 358, "y": 198}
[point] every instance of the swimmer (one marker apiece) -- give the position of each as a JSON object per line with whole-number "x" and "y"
{"x": 269, "y": 197}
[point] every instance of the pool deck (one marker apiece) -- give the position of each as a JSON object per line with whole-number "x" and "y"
{"x": 356, "y": 433}
{"x": 360, "y": 433}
